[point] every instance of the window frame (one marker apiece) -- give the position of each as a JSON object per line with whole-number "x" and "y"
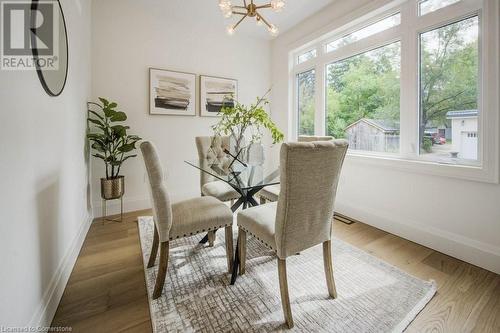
{"x": 299, "y": 54}
{"x": 359, "y": 27}
{"x": 408, "y": 34}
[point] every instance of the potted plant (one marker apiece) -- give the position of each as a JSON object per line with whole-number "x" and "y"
{"x": 112, "y": 144}
{"x": 241, "y": 122}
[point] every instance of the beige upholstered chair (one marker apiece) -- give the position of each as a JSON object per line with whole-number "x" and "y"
{"x": 271, "y": 193}
{"x": 302, "y": 216}
{"x": 211, "y": 149}
{"x": 180, "y": 219}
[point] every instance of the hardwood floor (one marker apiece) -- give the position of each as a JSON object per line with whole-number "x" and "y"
{"x": 106, "y": 291}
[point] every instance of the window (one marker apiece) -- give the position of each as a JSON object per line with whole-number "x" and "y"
{"x": 428, "y": 6}
{"x": 362, "y": 99}
{"x": 449, "y": 113}
{"x": 407, "y": 88}
{"x": 305, "y": 101}
{"x": 367, "y": 31}
{"x": 306, "y": 56}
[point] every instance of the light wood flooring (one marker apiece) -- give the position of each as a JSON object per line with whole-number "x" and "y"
{"x": 106, "y": 291}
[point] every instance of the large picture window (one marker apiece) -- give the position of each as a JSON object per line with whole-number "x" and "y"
{"x": 413, "y": 83}
{"x": 362, "y": 99}
{"x": 449, "y": 112}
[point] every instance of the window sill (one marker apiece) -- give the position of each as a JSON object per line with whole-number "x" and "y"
{"x": 467, "y": 172}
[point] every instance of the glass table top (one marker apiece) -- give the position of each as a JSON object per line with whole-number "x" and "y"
{"x": 239, "y": 176}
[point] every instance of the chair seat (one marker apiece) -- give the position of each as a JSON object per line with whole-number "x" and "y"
{"x": 270, "y": 193}
{"x": 193, "y": 216}
{"x": 220, "y": 190}
{"x": 259, "y": 221}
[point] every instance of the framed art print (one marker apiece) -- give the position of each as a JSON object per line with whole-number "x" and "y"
{"x": 216, "y": 92}
{"x": 172, "y": 93}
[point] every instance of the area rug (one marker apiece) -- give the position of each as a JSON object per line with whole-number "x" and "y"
{"x": 373, "y": 296}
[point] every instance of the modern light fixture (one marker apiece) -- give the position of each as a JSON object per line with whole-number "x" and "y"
{"x": 250, "y": 10}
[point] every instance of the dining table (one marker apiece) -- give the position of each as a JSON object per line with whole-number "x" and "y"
{"x": 245, "y": 177}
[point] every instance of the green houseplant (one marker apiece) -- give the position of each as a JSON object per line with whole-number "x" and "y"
{"x": 112, "y": 144}
{"x": 241, "y": 121}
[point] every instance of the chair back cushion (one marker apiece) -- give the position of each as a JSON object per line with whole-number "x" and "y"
{"x": 211, "y": 150}
{"x": 312, "y": 138}
{"x": 309, "y": 175}
{"x": 160, "y": 200}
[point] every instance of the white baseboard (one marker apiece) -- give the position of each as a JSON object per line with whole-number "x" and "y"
{"x": 52, "y": 295}
{"x": 472, "y": 251}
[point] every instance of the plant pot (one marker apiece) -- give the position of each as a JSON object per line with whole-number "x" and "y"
{"x": 112, "y": 188}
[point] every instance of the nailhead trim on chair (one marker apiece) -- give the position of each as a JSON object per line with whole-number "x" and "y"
{"x": 269, "y": 246}
{"x": 199, "y": 231}
{"x": 266, "y": 198}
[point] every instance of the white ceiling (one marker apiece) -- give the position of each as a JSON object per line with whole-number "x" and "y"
{"x": 294, "y": 12}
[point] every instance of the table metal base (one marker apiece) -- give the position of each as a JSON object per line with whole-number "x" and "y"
{"x": 246, "y": 200}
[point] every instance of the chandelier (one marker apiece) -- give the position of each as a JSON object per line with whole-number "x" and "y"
{"x": 250, "y": 10}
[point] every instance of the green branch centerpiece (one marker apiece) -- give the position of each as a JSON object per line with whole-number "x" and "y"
{"x": 112, "y": 144}
{"x": 243, "y": 122}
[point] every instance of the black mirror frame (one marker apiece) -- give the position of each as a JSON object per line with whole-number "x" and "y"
{"x": 34, "y": 50}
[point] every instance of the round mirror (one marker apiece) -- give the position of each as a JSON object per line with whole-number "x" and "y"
{"x": 49, "y": 42}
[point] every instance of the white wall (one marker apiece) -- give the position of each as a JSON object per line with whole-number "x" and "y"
{"x": 129, "y": 36}
{"x": 44, "y": 208}
{"x": 458, "y": 217}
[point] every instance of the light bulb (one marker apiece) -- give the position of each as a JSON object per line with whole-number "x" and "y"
{"x": 277, "y": 5}
{"x": 230, "y": 30}
{"x": 273, "y": 30}
{"x": 227, "y": 13}
{"x": 224, "y": 5}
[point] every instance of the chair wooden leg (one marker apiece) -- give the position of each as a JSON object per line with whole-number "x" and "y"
{"x": 285, "y": 299}
{"x": 327, "y": 260}
{"x": 242, "y": 249}
{"x": 162, "y": 270}
{"x": 211, "y": 238}
{"x": 229, "y": 247}
{"x": 154, "y": 248}
{"x": 262, "y": 200}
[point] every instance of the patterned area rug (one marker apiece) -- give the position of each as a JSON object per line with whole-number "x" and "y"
{"x": 373, "y": 296}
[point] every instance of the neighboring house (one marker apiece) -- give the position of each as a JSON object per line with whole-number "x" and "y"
{"x": 440, "y": 131}
{"x": 373, "y": 135}
{"x": 464, "y": 133}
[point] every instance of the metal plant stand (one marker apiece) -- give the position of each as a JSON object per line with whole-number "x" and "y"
{"x": 105, "y": 213}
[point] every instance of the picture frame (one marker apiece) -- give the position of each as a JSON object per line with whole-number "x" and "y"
{"x": 216, "y": 92}
{"x": 172, "y": 93}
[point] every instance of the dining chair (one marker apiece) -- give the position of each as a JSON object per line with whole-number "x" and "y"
{"x": 181, "y": 219}
{"x": 210, "y": 150}
{"x": 301, "y": 218}
{"x": 271, "y": 193}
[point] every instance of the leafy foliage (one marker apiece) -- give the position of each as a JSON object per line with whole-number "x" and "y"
{"x": 363, "y": 86}
{"x": 449, "y": 71}
{"x": 110, "y": 140}
{"x": 368, "y": 85}
{"x": 306, "y": 82}
{"x": 238, "y": 120}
